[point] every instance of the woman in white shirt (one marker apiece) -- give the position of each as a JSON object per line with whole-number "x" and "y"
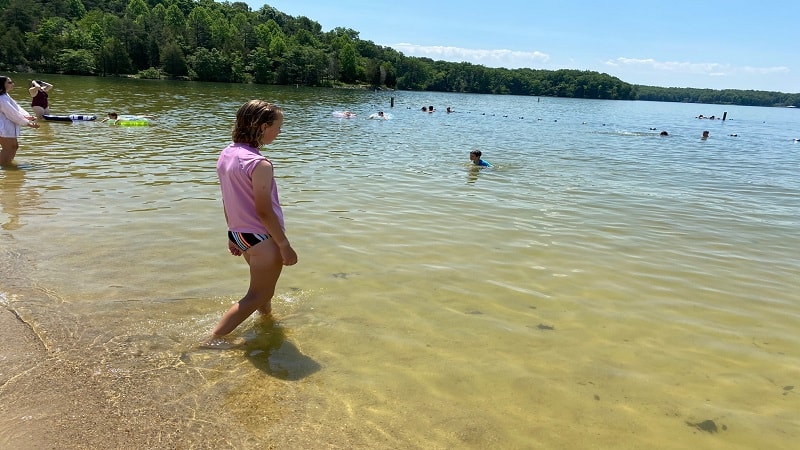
{"x": 12, "y": 117}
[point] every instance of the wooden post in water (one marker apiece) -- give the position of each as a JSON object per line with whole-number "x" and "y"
{"x": 392, "y": 102}
{"x": 724, "y": 115}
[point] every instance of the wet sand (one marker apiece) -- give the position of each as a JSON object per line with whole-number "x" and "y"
{"x": 57, "y": 398}
{"x": 50, "y": 400}
{"x": 20, "y": 349}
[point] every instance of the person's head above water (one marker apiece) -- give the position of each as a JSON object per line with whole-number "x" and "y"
{"x": 475, "y": 157}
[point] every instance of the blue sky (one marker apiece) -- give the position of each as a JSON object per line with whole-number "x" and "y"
{"x": 702, "y": 44}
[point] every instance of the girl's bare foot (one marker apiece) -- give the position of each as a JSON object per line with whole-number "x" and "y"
{"x": 216, "y": 342}
{"x": 266, "y": 310}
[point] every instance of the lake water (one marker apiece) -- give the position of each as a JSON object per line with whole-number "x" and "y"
{"x": 600, "y": 287}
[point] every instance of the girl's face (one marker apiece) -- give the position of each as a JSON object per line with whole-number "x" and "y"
{"x": 270, "y": 132}
{"x": 9, "y": 84}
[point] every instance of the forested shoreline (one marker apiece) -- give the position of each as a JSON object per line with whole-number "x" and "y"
{"x": 204, "y": 40}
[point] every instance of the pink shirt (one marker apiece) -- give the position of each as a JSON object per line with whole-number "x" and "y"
{"x": 235, "y": 170}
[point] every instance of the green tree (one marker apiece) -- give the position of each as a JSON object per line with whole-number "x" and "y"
{"x": 174, "y": 61}
{"x": 262, "y": 66}
{"x": 243, "y": 36}
{"x": 113, "y": 58}
{"x": 137, "y": 11}
{"x": 416, "y": 75}
{"x": 198, "y": 25}
{"x": 221, "y": 31}
{"x": 134, "y": 36}
{"x": 76, "y": 62}
{"x": 388, "y": 75}
{"x": 277, "y": 47}
{"x": 20, "y": 14}
{"x": 174, "y": 23}
{"x": 210, "y": 65}
{"x": 266, "y": 32}
{"x": 348, "y": 63}
{"x": 304, "y": 38}
{"x": 237, "y": 73}
{"x": 75, "y": 9}
{"x": 12, "y": 52}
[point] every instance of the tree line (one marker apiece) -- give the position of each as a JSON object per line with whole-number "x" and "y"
{"x": 205, "y": 40}
{"x": 724, "y": 96}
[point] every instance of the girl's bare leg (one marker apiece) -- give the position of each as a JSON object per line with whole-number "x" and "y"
{"x": 39, "y": 111}
{"x": 8, "y": 150}
{"x": 265, "y": 268}
{"x": 264, "y": 310}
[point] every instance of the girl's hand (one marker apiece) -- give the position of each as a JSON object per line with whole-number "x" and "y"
{"x": 235, "y": 251}
{"x": 288, "y": 255}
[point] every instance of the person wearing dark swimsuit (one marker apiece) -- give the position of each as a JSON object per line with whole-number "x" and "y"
{"x": 40, "y": 103}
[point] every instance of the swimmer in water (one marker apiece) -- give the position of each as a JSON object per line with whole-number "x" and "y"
{"x": 379, "y": 115}
{"x": 475, "y": 157}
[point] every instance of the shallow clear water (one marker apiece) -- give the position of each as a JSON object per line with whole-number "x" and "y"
{"x": 601, "y": 286}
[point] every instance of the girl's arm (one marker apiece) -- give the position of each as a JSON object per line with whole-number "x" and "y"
{"x": 39, "y": 86}
{"x": 262, "y": 192}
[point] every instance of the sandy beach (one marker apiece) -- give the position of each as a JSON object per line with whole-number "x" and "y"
{"x": 20, "y": 349}
{"x": 53, "y": 398}
{"x": 48, "y": 400}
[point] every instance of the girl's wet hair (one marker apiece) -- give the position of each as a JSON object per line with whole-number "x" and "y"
{"x": 249, "y": 119}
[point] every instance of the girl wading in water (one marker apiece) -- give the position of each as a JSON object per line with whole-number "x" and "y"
{"x": 253, "y": 213}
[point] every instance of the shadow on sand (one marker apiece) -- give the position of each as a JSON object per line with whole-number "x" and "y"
{"x": 268, "y": 350}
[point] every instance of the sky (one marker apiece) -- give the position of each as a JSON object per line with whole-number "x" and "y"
{"x": 699, "y": 44}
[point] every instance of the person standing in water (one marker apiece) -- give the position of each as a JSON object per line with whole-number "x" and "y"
{"x": 39, "y": 102}
{"x": 12, "y": 117}
{"x": 253, "y": 213}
